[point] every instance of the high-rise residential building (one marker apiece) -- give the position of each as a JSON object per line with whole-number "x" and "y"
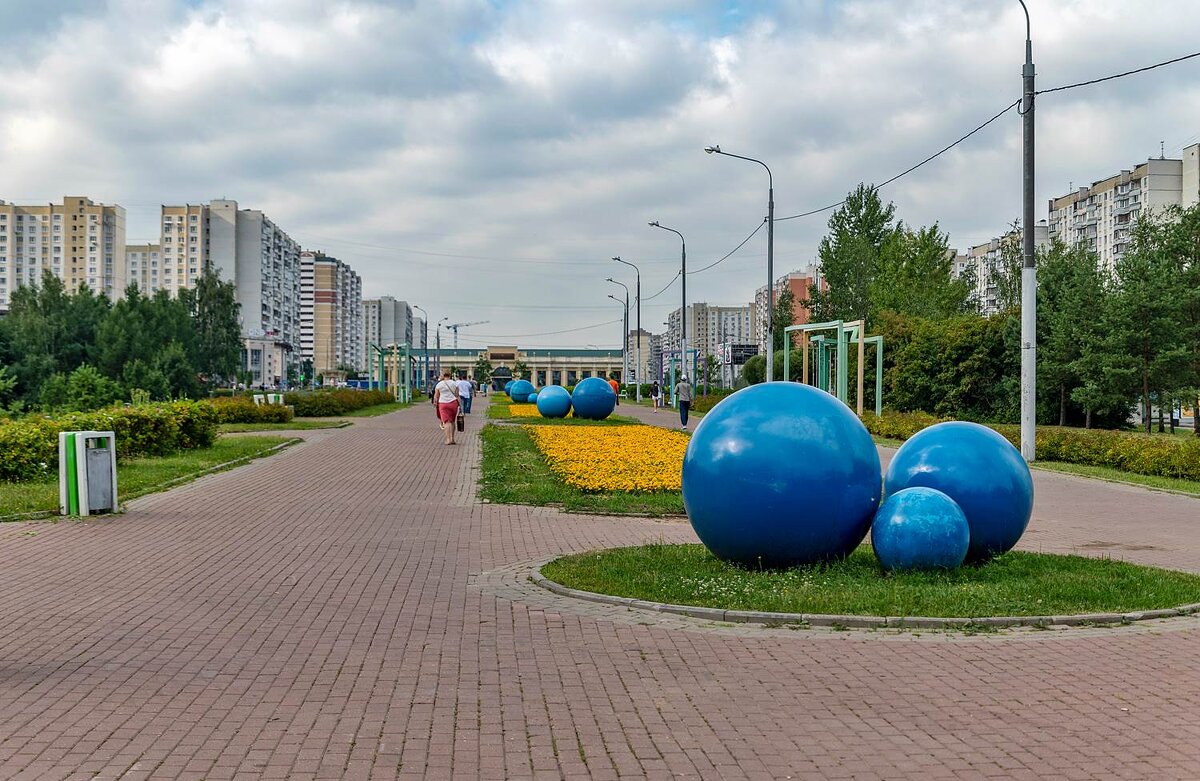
{"x": 656, "y": 357}
{"x": 1101, "y": 216}
{"x": 330, "y": 314}
{"x": 386, "y": 321}
{"x": 643, "y": 371}
{"x": 709, "y": 325}
{"x": 984, "y": 259}
{"x": 144, "y": 262}
{"x": 799, "y": 282}
{"x": 243, "y": 246}
{"x": 81, "y": 242}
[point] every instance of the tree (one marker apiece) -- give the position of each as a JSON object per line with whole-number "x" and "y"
{"x": 849, "y": 256}
{"x": 1185, "y": 245}
{"x": 782, "y": 316}
{"x": 519, "y": 370}
{"x": 754, "y": 370}
{"x": 215, "y": 314}
{"x": 483, "y": 370}
{"x": 915, "y": 276}
{"x": 1006, "y": 275}
{"x": 84, "y": 389}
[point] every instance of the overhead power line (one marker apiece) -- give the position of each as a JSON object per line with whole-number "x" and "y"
{"x": 732, "y": 251}
{"x": 1118, "y": 75}
{"x": 544, "y": 333}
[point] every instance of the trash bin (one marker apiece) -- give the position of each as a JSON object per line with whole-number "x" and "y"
{"x": 87, "y": 472}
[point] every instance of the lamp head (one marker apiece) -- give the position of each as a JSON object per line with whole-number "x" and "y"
{"x": 714, "y": 148}
{"x": 654, "y": 224}
{"x": 617, "y": 257}
{"x": 609, "y": 279}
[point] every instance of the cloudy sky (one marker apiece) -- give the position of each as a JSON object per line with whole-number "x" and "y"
{"x": 485, "y": 158}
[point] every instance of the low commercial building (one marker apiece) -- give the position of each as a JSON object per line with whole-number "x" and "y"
{"x": 544, "y": 366}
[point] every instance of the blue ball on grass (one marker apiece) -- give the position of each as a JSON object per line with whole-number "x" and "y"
{"x": 920, "y": 528}
{"x": 593, "y": 399}
{"x": 553, "y": 401}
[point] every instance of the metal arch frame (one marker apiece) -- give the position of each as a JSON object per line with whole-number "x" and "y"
{"x": 844, "y": 331}
{"x": 674, "y": 358}
{"x": 402, "y": 391}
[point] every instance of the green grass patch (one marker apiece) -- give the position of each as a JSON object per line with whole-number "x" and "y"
{"x": 1015, "y": 584}
{"x": 140, "y": 476}
{"x": 514, "y": 472}
{"x": 1174, "y": 484}
{"x": 295, "y": 425}
{"x": 378, "y": 409}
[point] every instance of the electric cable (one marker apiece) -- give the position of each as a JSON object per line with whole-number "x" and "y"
{"x": 1117, "y": 75}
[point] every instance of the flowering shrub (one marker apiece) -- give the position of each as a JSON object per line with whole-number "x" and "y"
{"x": 29, "y": 446}
{"x": 617, "y": 458}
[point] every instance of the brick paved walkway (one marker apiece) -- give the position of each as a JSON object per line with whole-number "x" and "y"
{"x": 347, "y": 610}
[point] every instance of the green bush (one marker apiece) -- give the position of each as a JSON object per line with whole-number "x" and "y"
{"x": 1142, "y": 454}
{"x": 702, "y": 403}
{"x": 242, "y": 409}
{"x": 339, "y": 401}
{"x": 29, "y": 446}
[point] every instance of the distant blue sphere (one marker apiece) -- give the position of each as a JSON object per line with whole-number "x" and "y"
{"x": 977, "y": 468}
{"x": 532, "y": 397}
{"x": 593, "y": 399}
{"x": 920, "y": 528}
{"x": 520, "y": 391}
{"x": 508, "y": 387}
{"x": 781, "y": 474}
{"x": 553, "y": 401}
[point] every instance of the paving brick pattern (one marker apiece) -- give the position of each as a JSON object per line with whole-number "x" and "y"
{"x": 347, "y": 609}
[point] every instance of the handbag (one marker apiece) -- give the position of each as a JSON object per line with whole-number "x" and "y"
{"x": 460, "y": 421}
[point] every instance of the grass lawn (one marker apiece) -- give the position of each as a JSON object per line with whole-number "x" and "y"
{"x": 1015, "y": 584}
{"x": 378, "y": 409}
{"x": 140, "y": 476}
{"x": 295, "y": 425}
{"x": 1176, "y": 484}
{"x": 514, "y": 472}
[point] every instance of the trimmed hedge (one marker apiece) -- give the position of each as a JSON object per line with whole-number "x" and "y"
{"x": 29, "y": 446}
{"x": 327, "y": 403}
{"x": 702, "y": 403}
{"x": 1141, "y": 454}
{"x": 242, "y": 409}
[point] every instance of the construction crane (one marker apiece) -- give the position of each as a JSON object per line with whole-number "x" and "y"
{"x": 455, "y": 326}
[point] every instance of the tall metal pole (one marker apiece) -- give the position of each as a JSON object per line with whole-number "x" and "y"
{"x": 683, "y": 293}
{"x": 625, "y": 336}
{"x": 1028, "y": 267}
{"x": 716, "y": 149}
{"x": 625, "y": 303}
{"x": 638, "y": 371}
{"x": 425, "y": 345}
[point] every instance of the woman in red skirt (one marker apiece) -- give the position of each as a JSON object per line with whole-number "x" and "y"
{"x": 445, "y": 398}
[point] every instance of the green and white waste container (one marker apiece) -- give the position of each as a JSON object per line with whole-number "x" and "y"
{"x": 87, "y": 472}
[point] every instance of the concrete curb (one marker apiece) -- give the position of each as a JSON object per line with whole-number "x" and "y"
{"x": 858, "y": 622}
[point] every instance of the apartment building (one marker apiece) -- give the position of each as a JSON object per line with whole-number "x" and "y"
{"x": 80, "y": 241}
{"x": 1101, "y": 216}
{"x": 637, "y": 340}
{"x": 330, "y": 314}
{"x": 385, "y": 321}
{"x": 709, "y": 325}
{"x": 984, "y": 259}
{"x": 183, "y": 250}
{"x": 144, "y": 262}
{"x": 799, "y": 282}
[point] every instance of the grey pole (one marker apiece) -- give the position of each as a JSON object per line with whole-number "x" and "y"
{"x": 624, "y": 303}
{"x": 716, "y": 149}
{"x": 625, "y": 337}
{"x": 425, "y": 345}
{"x": 1029, "y": 265}
{"x": 683, "y": 295}
{"x": 439, "y": 346}
{"x": 638, "y": 372}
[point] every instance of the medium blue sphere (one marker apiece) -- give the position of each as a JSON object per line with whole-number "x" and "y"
{"x": 593, "y": 399}
{"x": 977, "y": 468}
{"x": 508, "y": 387}
{"x": 920, "y": 528}
{"x": 520, "y": 391}
{"x": 781, "y": 474}
{"x": 553, "y": 401}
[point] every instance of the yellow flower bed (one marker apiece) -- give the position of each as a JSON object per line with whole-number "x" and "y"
{"x": 613, "y": 458}
{"x": 523, "y": 411}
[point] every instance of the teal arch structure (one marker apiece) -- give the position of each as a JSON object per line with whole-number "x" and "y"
{"x": 673, "y": 360}
{"x": 378, "y": 370}
{"x": 831, "y": 354}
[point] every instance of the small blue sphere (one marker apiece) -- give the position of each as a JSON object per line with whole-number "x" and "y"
{"x": 781, "y": 474}
{"x": 508, "y": 387}
{"x": 920, "y": 528}
{"x": 520, "y": 391}
{"x": 593, "y": 399}
{"x": 977, "y": 468}
{"x": 553, "y": 401}
{"x": 532, "y": 397}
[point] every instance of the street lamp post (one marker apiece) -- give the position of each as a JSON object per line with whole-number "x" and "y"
{"x": 425, "y": 345}
{"x": 638, "y": 299}
{"x": 625, "y": 336}
{"x": 1028, "y": 266}
{"x": 439, "y": 345}
{"x": 625, "y": 303}
{"x": 683, "y": 293}
{"x": 716, "y": 149}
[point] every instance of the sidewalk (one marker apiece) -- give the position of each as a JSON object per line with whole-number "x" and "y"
{"x": 332, "y": 612}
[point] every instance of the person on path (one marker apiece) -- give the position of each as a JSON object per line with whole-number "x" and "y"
{"x": 465, "y": 391}
{"x": 683, "y": 395}
{"x": 616, "y": 386}
{"x": 654, "y": 396}
{"x": 445, "y": 401}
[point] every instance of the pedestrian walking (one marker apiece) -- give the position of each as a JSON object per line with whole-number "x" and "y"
{"x": 683, "y": 395}
{"x": 445, "y": 402}
{"x": 655, "y": 396}
{"x": 616, "y": 386}
{"x": 465, "y": 391}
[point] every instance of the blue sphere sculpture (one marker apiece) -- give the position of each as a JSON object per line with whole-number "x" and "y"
{"x": 977, "y": 468}
{"x": 920, "y": 528}
{"x": 553, "y": 401}
{"x": 593, "y": 399}
{"x": 508, "y": 387}
{"x": 532, "y": 397}
{"x": 781, "y": 474}
{"x": 520, "y": 391}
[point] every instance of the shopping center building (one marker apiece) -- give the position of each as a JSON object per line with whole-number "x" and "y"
{"x": 564, "y": 366}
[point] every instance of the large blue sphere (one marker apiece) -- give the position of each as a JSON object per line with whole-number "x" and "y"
{"x": 593, "y": 399}
{"x": 553, "y": 401}
{"x": 920, "y": 528}
{"x": 977, "y": 468}
{"x": 520, "y": 391}
{"x": 508, "y": 387}
{"x": 781, "y": 474}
